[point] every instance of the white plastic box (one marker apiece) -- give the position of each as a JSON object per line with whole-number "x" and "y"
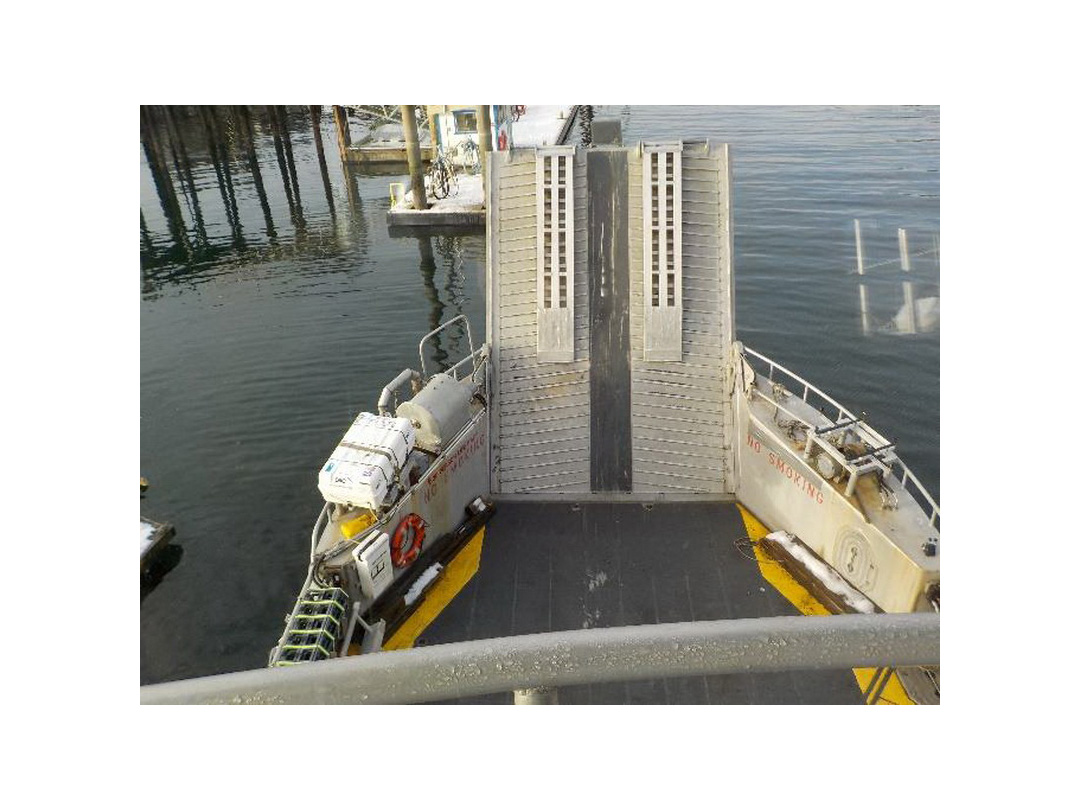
{"x": 366, "y": 461}
{"x": 393, "y": 436}
{"x": 374, "y": 566}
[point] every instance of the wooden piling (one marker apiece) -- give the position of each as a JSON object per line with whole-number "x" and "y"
{"x": 412, "y": 149}
{"x": 431, "y": 127}
{"x": 344, "y": 140}
{"x": 484, "y": 128}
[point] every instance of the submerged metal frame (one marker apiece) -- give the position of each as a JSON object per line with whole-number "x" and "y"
{"x": 599, "y": 655}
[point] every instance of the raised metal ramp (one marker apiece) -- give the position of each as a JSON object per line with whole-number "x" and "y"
{"x": 610, "y": 321}
{"x": 550, "y": 566}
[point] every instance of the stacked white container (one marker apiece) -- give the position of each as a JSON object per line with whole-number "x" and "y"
{"x": 366, "y": 461}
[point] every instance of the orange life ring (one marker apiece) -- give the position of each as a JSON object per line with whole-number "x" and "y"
{"x": 502, "y": 141}
{"x": 410, "y": 533}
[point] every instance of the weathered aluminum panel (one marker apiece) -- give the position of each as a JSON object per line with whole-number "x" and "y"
{"x": 554, "y": 425}
{"x": 681, "y": 411}
{"x": 662, "y": 317}
{"x": 555, "y": 261}
{"x": 539, "y": 410}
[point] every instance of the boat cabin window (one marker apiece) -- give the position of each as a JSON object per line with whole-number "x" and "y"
{"x": 662, "y": 211}
{"x": 464, "y": 121}
{"x": 555, "y": 254}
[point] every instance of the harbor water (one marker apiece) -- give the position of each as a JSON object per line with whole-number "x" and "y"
{"x": 275, "y": 304}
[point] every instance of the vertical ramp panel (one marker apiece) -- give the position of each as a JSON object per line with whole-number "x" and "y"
{"x": 540, "y": 408}
{"x": 681, "y": 413}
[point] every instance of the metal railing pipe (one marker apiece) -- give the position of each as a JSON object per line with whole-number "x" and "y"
{"x": 387, "y": 395}
{"x": 598, "y": 655}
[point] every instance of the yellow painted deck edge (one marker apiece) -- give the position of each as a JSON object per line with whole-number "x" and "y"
{"x": 782, "y": 581}
{"x": 454, "y": 577}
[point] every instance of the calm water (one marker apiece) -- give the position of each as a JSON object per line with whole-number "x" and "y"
{"x": 273, "y": 310}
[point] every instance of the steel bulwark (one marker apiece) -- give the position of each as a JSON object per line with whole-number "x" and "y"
{"x": 598, "y": 655}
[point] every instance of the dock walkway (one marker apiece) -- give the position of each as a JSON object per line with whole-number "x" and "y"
{"x": 540, "y": 126}
{"x": 154, "y": 537}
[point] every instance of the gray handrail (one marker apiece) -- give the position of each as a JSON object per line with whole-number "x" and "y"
{"x": 408, "y": 375}
{"x": 598, "y": 655}
{"x": 436, "y": 330}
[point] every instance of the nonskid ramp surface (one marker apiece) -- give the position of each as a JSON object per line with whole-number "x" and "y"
{"x": 567, "y": 566}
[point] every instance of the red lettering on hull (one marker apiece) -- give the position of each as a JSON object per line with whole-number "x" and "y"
{"x": 796, "y": 478}
{"x": 467, "y": 450}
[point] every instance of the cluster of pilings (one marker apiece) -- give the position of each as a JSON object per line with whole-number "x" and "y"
{"x": 176, "y": 140}
{"x": 227, "y": 136}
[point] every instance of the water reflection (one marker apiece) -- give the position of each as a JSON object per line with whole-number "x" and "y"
{"x": 166, "y": 560}
{"x": 183, "y": 171}
{"x": 166, "y": 193}
{"x": 431, "y": 292}
{"x": 316, "y": 118}
{"x": 220, "y": 158}
{"x": 295, "y": 212}
{"x": 247, "y": 137}
{"x": 188, "y": 150}
{"x": 357, "y": 222}
{"x": 920, "y": 310}
{"x": 450, "y": 249}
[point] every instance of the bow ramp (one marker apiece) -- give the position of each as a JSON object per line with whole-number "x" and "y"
{"x": 610, "y": 321}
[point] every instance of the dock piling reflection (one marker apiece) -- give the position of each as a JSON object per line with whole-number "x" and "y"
{"x": 159, "y": 171}
{"x": 247, "y": 136}
{"x": 427, "y": 273}
{"x": 316, "y": 129}
{"x": 279, "y": 150}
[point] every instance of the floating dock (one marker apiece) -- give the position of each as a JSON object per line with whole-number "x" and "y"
{"x": 154, "y": 537}
{"x": 539, "y": 126}
{"x": 544, "y": 126}
{"x": 386, "y": 145}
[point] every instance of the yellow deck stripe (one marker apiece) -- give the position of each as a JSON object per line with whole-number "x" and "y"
{"x": 779, "y": 578}
{"x": 453, "y": 578}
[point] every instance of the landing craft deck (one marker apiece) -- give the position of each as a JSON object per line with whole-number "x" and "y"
{"x": 551, "y": 566}
{"x": 615, "y": 459}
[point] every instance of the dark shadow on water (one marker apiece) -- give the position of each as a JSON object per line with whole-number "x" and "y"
{"x": 416, "y": 231}
{"x": 451, "y": 250}
{"x": 431, "y": 292}
{"x": 167, "y": 559}
{"x": 316, "y": 119}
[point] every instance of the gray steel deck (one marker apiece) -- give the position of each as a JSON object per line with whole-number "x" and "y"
{"x": 564, "y": 566}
